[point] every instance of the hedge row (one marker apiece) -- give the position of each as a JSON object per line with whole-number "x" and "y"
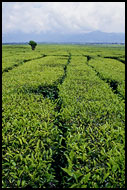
{"x": 112, "y": 71}
{"x": 30, "y": 138}
{"x": 94, "y": 118}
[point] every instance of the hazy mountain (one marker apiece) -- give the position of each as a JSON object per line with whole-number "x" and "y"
{"x": 92, "y": 37}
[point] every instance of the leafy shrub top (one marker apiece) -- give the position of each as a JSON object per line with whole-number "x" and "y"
{"x": 32, "y": 43}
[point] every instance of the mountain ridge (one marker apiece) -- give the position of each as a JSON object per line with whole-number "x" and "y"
{"x": 91, "y": 37}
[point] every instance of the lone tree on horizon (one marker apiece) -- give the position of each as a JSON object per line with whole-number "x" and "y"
{"x": 32, "y": 44}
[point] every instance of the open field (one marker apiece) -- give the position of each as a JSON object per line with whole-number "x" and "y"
{"x": 63, "y": 116}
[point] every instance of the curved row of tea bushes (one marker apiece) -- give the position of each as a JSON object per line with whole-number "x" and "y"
{"x": 111, "y": 71}
{"x": 14, "y": 56}
{"x": 104, "y": 50}
{"x": 94, "y": 118}
{"x": 122, "y": 59}
{"x": 18, "y": 54}
{"x": 30, "y": 138}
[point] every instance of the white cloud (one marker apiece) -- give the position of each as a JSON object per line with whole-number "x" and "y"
{"x": 66, "y": 17}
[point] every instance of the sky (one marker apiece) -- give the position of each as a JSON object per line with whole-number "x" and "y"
{"x": 62, "y": 17}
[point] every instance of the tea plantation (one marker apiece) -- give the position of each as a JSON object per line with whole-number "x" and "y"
{"x": 63, "y": 116}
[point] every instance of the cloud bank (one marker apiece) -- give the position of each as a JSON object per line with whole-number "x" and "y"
{"x": 62, "y": 17}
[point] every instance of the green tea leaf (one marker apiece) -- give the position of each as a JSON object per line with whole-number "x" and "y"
{"x": 105, "y": 176}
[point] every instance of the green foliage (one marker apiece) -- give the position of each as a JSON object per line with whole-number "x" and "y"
{"x": 33, "y": 44}
{"x": 63, "y": 124}
{"x": 114, "y": 75}
{"x": 94, "y": 115}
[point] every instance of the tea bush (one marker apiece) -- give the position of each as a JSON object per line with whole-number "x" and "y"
{"x": 111, "y": 71}
{"x": 94, "y": 118}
